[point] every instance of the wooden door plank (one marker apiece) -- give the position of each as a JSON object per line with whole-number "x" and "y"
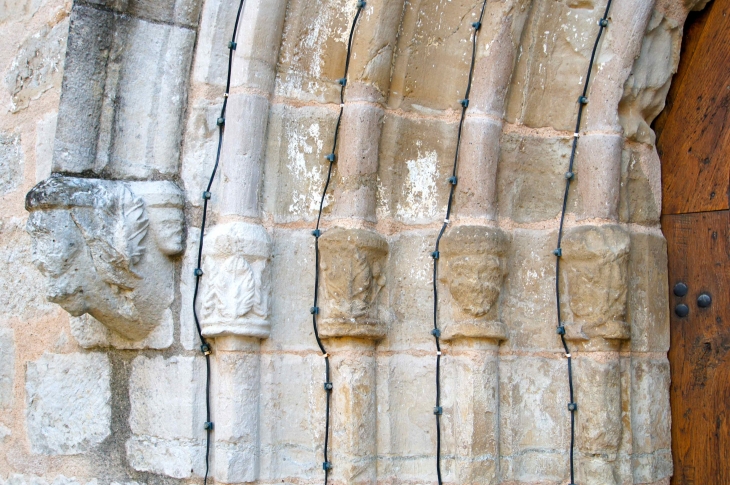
{"x": 698, "y": 247}
{"x": 695, "y": 141}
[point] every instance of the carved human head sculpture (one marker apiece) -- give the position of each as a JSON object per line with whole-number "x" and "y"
{"x": 473, "y": 271}
{"x": 594, "y": 279}
{"x": 91, "y": 240}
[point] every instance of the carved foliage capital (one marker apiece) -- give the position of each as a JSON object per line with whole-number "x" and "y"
{"x": 236, "y": 286}
{"x": 352, "y": 263}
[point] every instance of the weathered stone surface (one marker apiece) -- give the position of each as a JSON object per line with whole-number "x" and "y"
{"x": 12, "y": 160}
{"x": 7, "y": 367}
{"x": 68, "y": 408}
{"x": 298, "y": 140}
{"x": 416, "y": 158}
{"x": 598, "y": 158}
{"x": 198, "y": 159}
{"x": 351, "y": 264}
{"x": 236, "y": 403}
{"x": 38, "y": 66}
{"x": 19, "y": 479}
{"x": 236, "y": 287}
{"x": 183, "y": 12}
{"x": 167, "y": 415}
{"x": 641, "y": 191}
{"x": 594, "y": 282}
{"x": 90, "y": 240}
{"x": 531, "y": 176}
{"x": 645, "y": 91}
{"x": 45, "y": 134}
{"x": 474, "y": 265}
{"x": 91, "y": 333}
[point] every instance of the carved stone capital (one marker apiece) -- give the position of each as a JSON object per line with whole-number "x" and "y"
{"x": 594, "y": 281}
{"x": 473, "y": 268}
{"x": 104, "y": 247}
{"x": 352, "y": 263}
{"x": 236, "y": 286}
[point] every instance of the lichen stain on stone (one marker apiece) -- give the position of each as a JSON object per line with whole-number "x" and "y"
{"x": 420, "y": 187}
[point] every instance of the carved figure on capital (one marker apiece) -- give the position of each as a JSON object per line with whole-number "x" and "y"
{"x": 473, "y": 270}
{"x": 104, "y": 247}
{"x": 594, "y": 281}
{"x": 352, "y": 263}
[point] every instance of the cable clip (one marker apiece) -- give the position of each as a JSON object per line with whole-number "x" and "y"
{"x": 198, "y": 272}
{"x": 314, "y": 310}
{"x": 327, "y": 386}
{"x": 326, "y": 466}
{"x": 446, "y": 221}
{"x": 435, "y": 255}
{"x": 576, "y": 135}
{"x": 342, "y": 81}
{"x": 361, "y": 4}
{"x": 436, "y": 332}
{"x": 438, "y": 410}
{"x": 568, "y": 356}
{"x": 558, "y": 252}
{"x": 583, "y": 100}
{"x": 208, "y": 425}
{"x": 569, "y": 175}
{"x": 220, "y": 121}
{"x": 232, "y": 45}
{"x": 572, "y": 406}
{"x": 464, "y": 103}
{"x": 205, "y": 349}
{"x": 452, "y": 180}
{"x": 438, "y": 352}
{"x": 316, "y": 233}
{"x": 325, "y": 355}
{"x": 603, "y": 22}
{"x": 330, "y": 157}
{"x": 561, "y": 330}
{"x": 206, "y": 195}
{"x": 476, "y": 25}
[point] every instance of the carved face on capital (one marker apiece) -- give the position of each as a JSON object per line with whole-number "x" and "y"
{"x": 91, "y": 242}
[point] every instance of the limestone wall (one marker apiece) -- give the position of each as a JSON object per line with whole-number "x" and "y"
{"x": 116, "y": 393}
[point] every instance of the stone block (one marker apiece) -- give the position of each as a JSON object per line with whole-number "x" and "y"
{"x": 91, "y": 333}
{"x": 12, "y": 160}
{"x": 7, "y": 368}
{"x": 20, "y": 479}
{"x": 298, "y": 140}
{"x": 313, "y": 50}
{"x": 528, "y": 307}
{"x": 545, "y": 93}
{"x": 531, "y": 177}
{"x": 292, "y": 392}
{"x": 38, "y": 66}
{"x": 433, "y": 55}
{"x": 211, "y": 52}
{"x": 648, "y": 290}
{"x": 188, "y": 332}
{"x": 598, "y": 394}
{"x": 534, "y": 418}
{"x": 84, "y": 78}
{"x": 598, "y": 158}
{"x": 166, "y": 416}
{"x": 410, "y": 288}
{"x": 68, "y": 409}
{"x": 145, "y": 97}
{"x": 45, "y": 133}
{"x": 183, "y": 12}
{"x": 641, "y": 192}
{"x": 199, "y": 151}
{"x": 416, "y": 160}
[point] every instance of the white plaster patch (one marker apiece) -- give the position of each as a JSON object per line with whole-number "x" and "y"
{"x": 312, "y": 180}
{"x": 68, "y": 403}
{"x": 420, "y": 187}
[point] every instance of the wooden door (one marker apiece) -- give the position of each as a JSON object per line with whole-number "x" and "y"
{"x": 693, "y": 139}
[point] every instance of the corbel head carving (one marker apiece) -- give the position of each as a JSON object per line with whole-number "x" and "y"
{"x": 594, "y": 282}
{"x": 473, "y": 267}
{"x": 236, "y": 288}
{"x": 91, "y": 240}
{"x": 352, "y": 263}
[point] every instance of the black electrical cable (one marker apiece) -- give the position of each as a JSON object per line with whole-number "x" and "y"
{"x": 204, "y": 346}
{"x": 438, "y": 410}
{"x": 327, "y": 465}
{"x": 558, "y": 252}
